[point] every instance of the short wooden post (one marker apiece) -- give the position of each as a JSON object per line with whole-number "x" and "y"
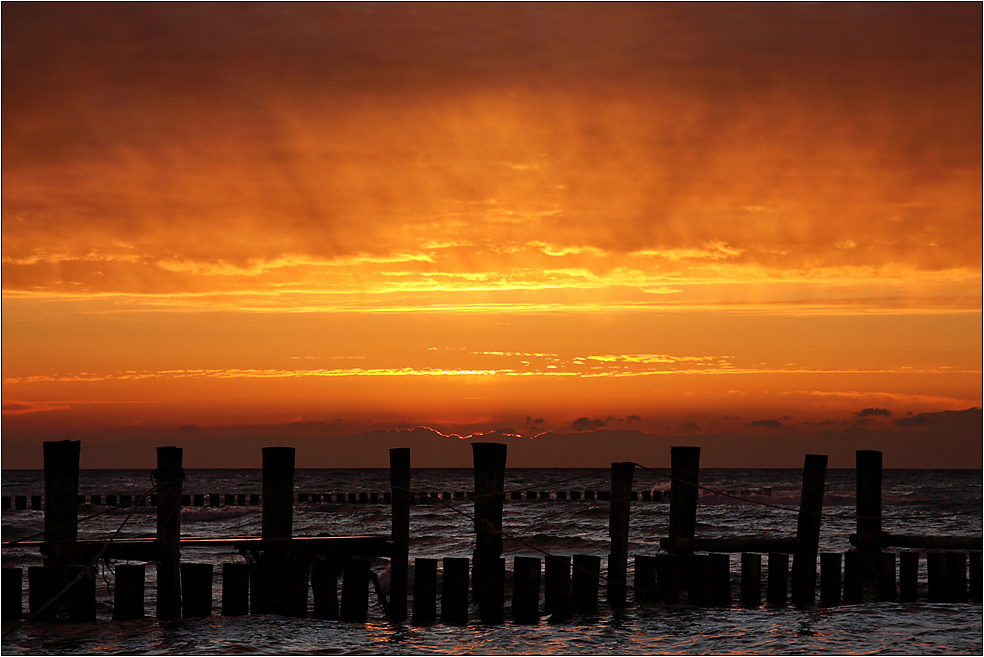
{"x": 584, "y": 582}
{"x": 235, "y": 589}
{"x": 36, "y": 503}
{"x": 526, "y": 590}
{"x": 293, "y": 588}
{"x": 699, "y": 591}
{"x": 956, "y": 576}
{"x": 128, "y": 599}
{"x": 61, "y": 500}
{"x": 20, "y": 502}
{"x": 684, "y": 470}
{"x": 618, "y": 531}
{"x": 937, "y": 576}
{"x": 751, "y": 579}
{"x": 82, "y": 595}
{"x": 454, "y": 591}
{"x": 778, "y": 579}
{"x": 830, "y": 579}
{"x": 885, "y": 576}
{"x": 868, "y": 465}
{"x": 644, "y": 586}
{"x": 324, "y": 589}
{"x": 668, "y": 568}
{"x": 169, "y": 477}
{"x": 491, "y": 601}
{"x": 425, "y": 591}
{"x": 804, "y": 572}
{"x": 43, "y": 584}
{"x": 908, "y": 576}
{"x": 853, "y": 577}
{"x": 557, "y": 586}
{"x": 13, "y": 593}
{"x": 196, "y": 590}
{"x": 355, "y": 591}
{"x": 720, "y": 579}
{"x": 264, "y": 585}
{"x": 399, "y": 560}
{"x": 975, "y": 576}
{"x": 489, "y": 468}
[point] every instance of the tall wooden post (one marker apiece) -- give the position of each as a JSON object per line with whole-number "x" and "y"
{"x": 804, "y": 573}
{"x": 399, "y": 561}
{"x": 868, "y": 467}
{"x": 169, "y": 477}
{"x": 61, "y": 501}
{"x": 278, "y": 492}
{"x": 618, "y": 531}
{"x": 490, "y": 470}
{"x": 684, "y": 470}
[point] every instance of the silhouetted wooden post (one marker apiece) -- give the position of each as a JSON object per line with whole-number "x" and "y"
{"x": 956, "y": 576}
{"x": 526, "y": 590}
{"x": 908, "y": 576}
{"x": 491, "y": 601}
{"x": 196, "y": 590}
{"x": 557, "y": 589}
{"x": 699, "y": 591}
{"x": 668, "y": 568}
{"x": 618, "y": 531}
{"x": 936, "y": 576}
{"x": 82, "y": 595}
{"x": 868, "y": 464}
{"x": 235, "y": 589}
{"x": 128, "y": 600}
{"x": 293, "y": 587}
{"x": 751, "y": 579}
{"x": 169, "y": 477}
{"x": 454, "y": 591}
{"x": 13, "y": 593}
{"x": 489, "y": 468}
{"x": 885, "y": 576}
{"x": 584, "y": 582}
{"x": 853, "y": 577}
{"x": 830, "y": 579}
{"x": 778, "y": 578}
{"x": 43, "y": 584}
{"x": 61, "y": 500}
{"x": 278, "y": 492}
{"x": 684, "y": 470}
{"x": 425, "y": 591}
{"x": 975, "y": 576}
{"x": 324, "y": 589}
{"x": 720, "y": 578}
{"x": 399, "y": 560}
{"x": 644, "y": 587}
{"x": 804, "y": 573}
{"x": 355, "y": 591}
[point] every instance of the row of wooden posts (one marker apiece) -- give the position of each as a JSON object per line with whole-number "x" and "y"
{"x": 278, "y": 569}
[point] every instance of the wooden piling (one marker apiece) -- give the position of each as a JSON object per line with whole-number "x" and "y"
{"x": 668, "y": 577}
{"x": 804, "y": 572}
{"x": 975, "y": 576}
{"x": 264, "y": 585}
{"x": 13, "y": 593}
{"x": 778, "y": 579}
{"x": 584, "y": 582}
{"x": 526, "y": 590}
{"x": 908, "y": 576}
{"x": 644, "y": 586}
{"x": 720, "y": 579}
{"x": 489, "y": 469}
{"x": 293, "y": 588}
{"x": 196, "y": 590}
{"x": 868, "y": 465}
{"x": 235, "y": 589}
{"x": 43, "y": 584}
{"x": 885, "y": 576}
{"x": 20, "y": 502}
{"x": 82, "y": 595}
{"x": 169, "y": 477}
{"x": 936, "y": 576}
{"x": 128, "y": 599}
{"x": 699, "y": 582}
{"x": 61, "y": 500}
{"x": 684, "y": 470}
{"x": 830, "y": 579}
{"x": 355, "y": 591}
{"x": 454, "y": 591}
{"x": 36, "y": 503}
{"x": 956, "y": 576}
{"x": 324, "y": 589}
{"x": 278, "y": 492}
{"x": 618, "y": 531}
{"x": 751, "y": 579}
{"x": 491, "y": 600}
{"x": 853, "y": 577}
{"x": 399, "y": 560}
{"x": 557, "y": 586}
{"x": 425, "y": 591}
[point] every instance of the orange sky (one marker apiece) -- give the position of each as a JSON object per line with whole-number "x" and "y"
{"x": 743, "y": 226}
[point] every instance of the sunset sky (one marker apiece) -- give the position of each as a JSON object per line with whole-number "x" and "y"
{"x": 591, "y": 230}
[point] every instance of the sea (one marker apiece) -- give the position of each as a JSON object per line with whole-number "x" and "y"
{"x": 732, "y": 502}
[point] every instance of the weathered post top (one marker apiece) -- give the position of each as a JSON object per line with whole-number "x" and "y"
{"x": 684, "y": 470}
{"x": 804, "y": 573}
{"x": 61, "y": 489}
{"x": 278, "y": 492}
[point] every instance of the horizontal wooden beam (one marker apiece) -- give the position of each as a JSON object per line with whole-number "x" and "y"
{"x": 922, "y": 542}
{"x": 730, "y": 544}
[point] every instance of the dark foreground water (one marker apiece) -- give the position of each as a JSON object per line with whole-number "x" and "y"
{"x": 914, "y": 501}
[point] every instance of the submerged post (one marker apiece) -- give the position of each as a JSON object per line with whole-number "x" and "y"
{"x": 804, "y": 573}
{"x": 868, "y": 467}
{"x": 169, "y": 476}
{"x": 684, "y": 470}
{"x": 399, "y": 561}
{"x": 490, "y": 471}
{"x": 61, "y": 499}
{"x": 618, "y": 531}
